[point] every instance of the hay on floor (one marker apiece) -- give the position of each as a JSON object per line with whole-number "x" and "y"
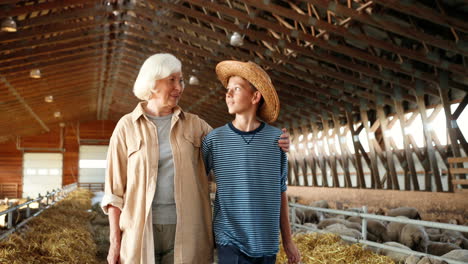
{"x": 61, "y": 234}
{"x": 329, "y": 248}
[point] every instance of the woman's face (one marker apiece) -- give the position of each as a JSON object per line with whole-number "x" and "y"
{"x": 168, "y": 91}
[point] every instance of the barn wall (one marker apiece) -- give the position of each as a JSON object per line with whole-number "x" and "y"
{"x": 11, "y": 162}
{"x": 432, "y": 206}
{"x": 11, "y": 159}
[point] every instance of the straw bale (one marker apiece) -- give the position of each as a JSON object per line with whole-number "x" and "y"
{"x": 329, "y": 248}
{"x": 61, "y": 234}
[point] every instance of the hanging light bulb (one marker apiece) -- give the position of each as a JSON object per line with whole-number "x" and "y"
{"x": 236, "y": 40}
{"x": 49, "y": 99}
{"x": 57, "y": 114}
{"x": 8, "y": 25}
{"x": 193, "y": 80}
{"x": 62, "y": 124}
{"x": 35, "y": 73}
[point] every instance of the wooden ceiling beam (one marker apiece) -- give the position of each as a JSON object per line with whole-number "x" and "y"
{"x": 50, "y": 29}
{"x": 53, "y": 49}
{"x": 78, "y": 56}
{"x": 411, "y": 33}
{"x": 251, "y": 47}
{"x": 42, "y": 90}
{"x": 369, "y": 41}
{"x": 27, "y": 9}
{"x": 230, "y": 52}
{"x": 21, "y": 100}
{"x": 352, "y": 52}
{"x": 52, "y": 77}
{"x": 337, "y": 75}
{"x": 51, "y": 70}
{"x": 422, "y": 11}
{"x": 65, "y": 16}
{"x": 66, "y": 37}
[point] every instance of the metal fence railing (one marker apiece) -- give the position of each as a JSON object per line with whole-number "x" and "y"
{"x": 43, "y": 202}
{"x": 363, "y": 240}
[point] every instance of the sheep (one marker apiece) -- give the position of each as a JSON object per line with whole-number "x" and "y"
{"x": 434, "y": 234}
{"x": 394, "y": 230}
{"x": 354, "y": 219}
{"x": 412, "y": 259}
{"x": 341, "y": 229}
{"x": 396, "y": 256}
{"x": 454, "y": 237}
{"x": 307, "y": 216}
{"x": 378, "y": 229}
{"x": 428, "y": 260}
{"x": 457, "y": 254}
{"x": 414, "y": 237}
{"x": 330, "y": 221}
{"x": 409, "y": 212}
{"x": 321, "y": 204}
{"x": 440, "y": 248}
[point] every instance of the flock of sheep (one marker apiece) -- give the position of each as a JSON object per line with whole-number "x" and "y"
{"x": 445, "y": 243}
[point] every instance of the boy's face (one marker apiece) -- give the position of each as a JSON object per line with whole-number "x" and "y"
{"x": 240, "y": 96}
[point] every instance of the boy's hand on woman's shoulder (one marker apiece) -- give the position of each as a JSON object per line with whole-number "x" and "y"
{"x": 284, "y": 141}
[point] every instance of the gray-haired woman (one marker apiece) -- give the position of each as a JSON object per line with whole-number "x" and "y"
{"x": 156, "y": 191}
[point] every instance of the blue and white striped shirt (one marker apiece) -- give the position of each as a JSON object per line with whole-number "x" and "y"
{"x": 250, "y": 171}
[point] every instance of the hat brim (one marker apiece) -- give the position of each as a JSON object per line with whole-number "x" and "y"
{"x": 257, "y": 77}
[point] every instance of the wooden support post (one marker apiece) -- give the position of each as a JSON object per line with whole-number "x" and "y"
{"x": 408, "y": 152}
{"x": 332, "y": 152}
{"x": 375, "y": 183}
{"x": 293, "y": 158}
{"x": 321, "y": 155}
{"x": 344, "y": 152}
{"x": 361, "y": 183}
{"x": 451, "y": 124}
{"x": 313, "y": 159}
{"x": 427, "y": 127}
{"x": 306, "y": 156}
{"x": 392, "y": 180}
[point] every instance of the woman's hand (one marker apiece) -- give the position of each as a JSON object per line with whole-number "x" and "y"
{"x": 115, "y": 235}
{"x": 292, "y": 252}
{"x": 284, "y": 141}
{"x": 113, "y": 257}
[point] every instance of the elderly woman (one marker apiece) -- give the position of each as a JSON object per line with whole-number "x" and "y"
{"x": 156, "y": 191}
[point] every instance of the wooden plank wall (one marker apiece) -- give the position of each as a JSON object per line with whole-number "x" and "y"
{"x": 11, "y": 164}
{"x": 74, "y": 135}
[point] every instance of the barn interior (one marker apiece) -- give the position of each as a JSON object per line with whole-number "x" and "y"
{"x": 372, "y": 92}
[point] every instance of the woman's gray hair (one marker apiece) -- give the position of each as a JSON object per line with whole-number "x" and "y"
{"x": 156, "y": 67}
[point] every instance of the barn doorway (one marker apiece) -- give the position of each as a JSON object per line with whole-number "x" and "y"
{"x": 42, "y": 172}
{"x": 92, "y": 166}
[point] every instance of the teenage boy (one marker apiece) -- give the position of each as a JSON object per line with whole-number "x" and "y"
{"x": 251, "y": 205}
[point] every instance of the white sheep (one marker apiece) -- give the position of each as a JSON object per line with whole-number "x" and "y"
{"x": 409, "y": 212}
{"x": 414, "y": 237}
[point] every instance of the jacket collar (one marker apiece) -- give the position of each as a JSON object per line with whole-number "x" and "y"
{"x": 139, "y": 111}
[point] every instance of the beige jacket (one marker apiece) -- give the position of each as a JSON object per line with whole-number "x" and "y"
{"x": 131, "y": 183}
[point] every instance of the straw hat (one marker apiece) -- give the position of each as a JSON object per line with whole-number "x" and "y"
{"x": 257, "y": 77}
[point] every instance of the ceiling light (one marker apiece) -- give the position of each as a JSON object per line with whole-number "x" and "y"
{"x": 35, "y": 73}
{"x": 236, "y": 40}
{"x": 57, "y": 114}
{"x": 49, "y": 99}
{"x": 8, "y": 25}
{"x": 193, "y": 80}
